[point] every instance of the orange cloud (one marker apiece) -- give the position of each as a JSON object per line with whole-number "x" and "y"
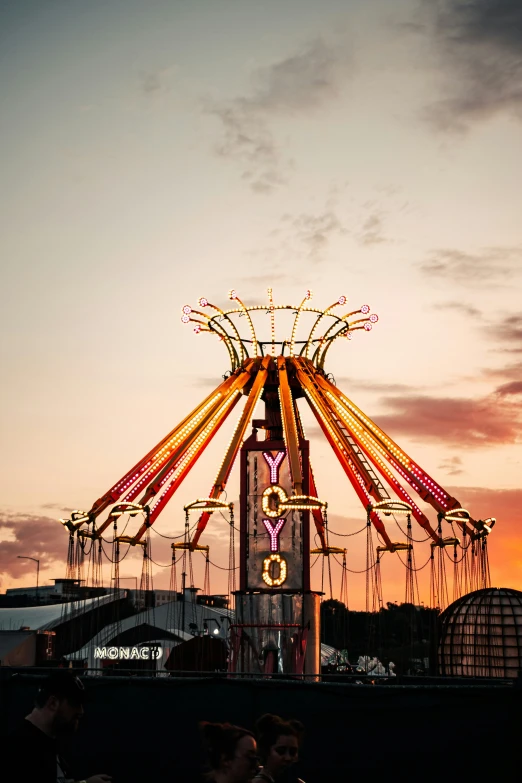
{"x": 36, "y": 536}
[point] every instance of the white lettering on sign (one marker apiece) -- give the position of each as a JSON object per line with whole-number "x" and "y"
{"x": 274, "y": 463}
{"x": 274, "y": 555}
{"x": 126, "y": 653}
{"x": 273, "y": 532}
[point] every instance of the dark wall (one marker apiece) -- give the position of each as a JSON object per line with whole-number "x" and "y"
{"x": 141, "y": 729}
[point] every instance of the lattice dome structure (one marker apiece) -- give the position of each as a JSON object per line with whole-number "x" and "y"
{"x": 482, "y": 634}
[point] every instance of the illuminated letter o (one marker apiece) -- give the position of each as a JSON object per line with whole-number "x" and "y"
{"x": 270, "y": 580}
{"x": 281, "y": 497}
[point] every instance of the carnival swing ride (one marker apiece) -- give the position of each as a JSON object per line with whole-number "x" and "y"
{"x": 278, "y": 490}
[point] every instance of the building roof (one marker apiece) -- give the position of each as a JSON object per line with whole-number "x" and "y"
{"x": 44, "y": 618}
{"x": 181, "y": 619}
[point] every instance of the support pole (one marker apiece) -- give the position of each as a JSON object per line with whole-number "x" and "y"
{"x": 290, "y": 435}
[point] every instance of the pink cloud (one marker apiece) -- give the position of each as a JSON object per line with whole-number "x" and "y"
{"x": 467, "y": 423}
{"x": 31, "y": 535}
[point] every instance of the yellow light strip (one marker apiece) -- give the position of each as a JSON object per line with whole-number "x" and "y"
{"x": 341, "y": 300}
{"x": 186, "y": 318}
{"x": 308, "y": 296}
{"x": 167, "y": 451}
{"x": 180, "y": 465}
{"x": 272, "y": 319}
{"x": 393, "y": 507}
{"x": 369, "y": 442}
{"x": 365, "y": 308}
{"x": 192, "y": 453}
{"x": 412, "y": 470}
{"x": 209, "y": 503}
{"x": 240, "y": 428}
{"x": 196, "y": 438}
{"x": 352, "y": 462}
{"x": 233, "y": 295}
{"x": 225, "y": 314}
{"x": 291, "y": 437}
{"x": 176, "y": 461}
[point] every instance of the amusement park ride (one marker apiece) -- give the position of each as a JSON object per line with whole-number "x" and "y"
{"x": 276, "y": 625}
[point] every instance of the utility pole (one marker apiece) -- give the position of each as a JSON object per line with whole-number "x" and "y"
{"x": 35, "y": 559}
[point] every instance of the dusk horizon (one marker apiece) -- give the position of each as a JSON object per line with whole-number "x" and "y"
{"x": 156, "y": 154}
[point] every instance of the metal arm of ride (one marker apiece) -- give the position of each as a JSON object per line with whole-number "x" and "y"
{"x": 156, "y": 475}
{"x": 189, "y": 461}
{"x": 317, "y": 513}
{"x": 167, "y": 469}
{"x": 421, "y": 482}
{"x": 361, "y": 482}
{"x": 290, "y": 435}
{"x": 132, "y": 475}
{"x": 372, "y": 450}
{"x": 235, "y": 444}
{"x": 200, "y": 431}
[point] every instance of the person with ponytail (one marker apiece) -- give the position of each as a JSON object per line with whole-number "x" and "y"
{"x": 278, "y": 743}
{"x": 231, "y": 752}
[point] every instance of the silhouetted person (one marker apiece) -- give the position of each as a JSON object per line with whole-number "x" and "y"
{"x": 278, "y": 742}
{"x": 231, "y": 753}
{"x": 32, "y": 754}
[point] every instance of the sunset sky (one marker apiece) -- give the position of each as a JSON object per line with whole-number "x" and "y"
{"x": 155, "y": 151}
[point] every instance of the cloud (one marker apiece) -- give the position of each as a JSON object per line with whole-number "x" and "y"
{"x": 247, "y": 140}
{"x": 372, "y": 230}
{"x": 57, "y": 507}
{"x": 508, "y": 330}
{"x": 36, "y": 536}
{"x": 314, "y": 232}
{"x": 451, "y": 466}
{"x": 303, "y": 81}
{"x": 347, "y": 384}
{"x": 464, "y": 423}
{"x": 478, "y": 43}
{"x": 459, "y": 307}
{"x": 489, "y": 266}
{"x": 509, "y": 389}
{"x": 155, "y": 82}
{"x": 510, "y": 375}
{"x": 296, "y": 85}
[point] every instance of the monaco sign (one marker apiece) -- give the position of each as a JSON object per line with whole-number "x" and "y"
{"x": 128, "y": 653}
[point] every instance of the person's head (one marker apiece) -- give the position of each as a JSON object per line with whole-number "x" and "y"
{"x": 59, "y": 702}
{"x": 231, "y": 752}
{"x": 278, "y": 742}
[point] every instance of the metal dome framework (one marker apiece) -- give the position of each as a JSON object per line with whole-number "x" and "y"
{"x": 482, "y": 635}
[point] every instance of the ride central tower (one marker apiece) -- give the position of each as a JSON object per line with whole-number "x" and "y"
{"x": 277, "y": 615}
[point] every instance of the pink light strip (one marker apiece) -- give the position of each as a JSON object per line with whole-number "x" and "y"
{"x": 274, "y": 464}
{"x": 273, "y": 531}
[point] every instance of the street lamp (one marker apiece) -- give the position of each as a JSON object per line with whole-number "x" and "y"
{"x": 207, "y": 620}
{"x": 35, "y": 559}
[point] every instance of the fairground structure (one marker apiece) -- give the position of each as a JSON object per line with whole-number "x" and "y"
{"x": 275, "y": 627}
